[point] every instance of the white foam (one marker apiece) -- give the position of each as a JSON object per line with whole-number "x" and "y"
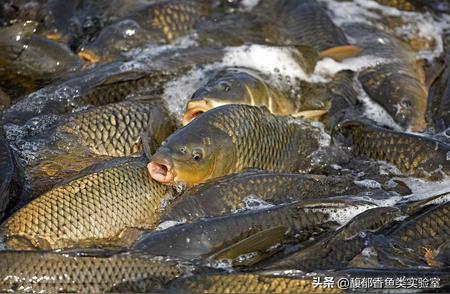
{"x": 413, "y": 24}
{"x": 371, "y": 184}
{"x": 373, "y": 110}
{"x": 267, "y": 59}
{"x": 328, "y": 67}
{"x": 253, "y": 202}
{"x": 167, "y": 224}
{"x": 423, "y": 189}
{"x": 342, "y": 215}
{"x": 249, "y": 4}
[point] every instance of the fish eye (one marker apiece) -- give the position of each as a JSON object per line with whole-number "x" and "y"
{"x": 225, "y": 86}
{"x": 197, "y": 154}
{"x": 183, "y": 149}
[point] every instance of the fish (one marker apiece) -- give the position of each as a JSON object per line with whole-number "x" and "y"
{"x": 5, "y": 100}
{"x": 101, "y": 205}
{"x": 397, "y": 82}
{"x": 405, "y": 5}
{"x": 116, "y": 129}
{"x": 424, "y": 231}
{"x": 305, "y": 23}
{"x": 439, "y": 98}
{"x": 7, "y": 170}
{"x": 413, "y": 154}
{"x": 238, "y": 86}
{"x": 232, "y": 138}
{"x": 160, "y": 22}
{"x": 14, "y": 40}
{"x": 95, "y": 272}
{"x": 300, "y": 221}
{"x": 337, "y": 250}
{"x": 275, "y": 282}
{"x": 229, "y": 193}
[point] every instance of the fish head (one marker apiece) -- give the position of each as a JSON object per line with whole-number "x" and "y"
{"x": 229, "y": 86}
{"x": 192, "y": 155}
{"x": 112, "y": 41}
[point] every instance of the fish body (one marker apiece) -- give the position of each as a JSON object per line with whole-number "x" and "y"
{"x": 91, "y": 209}
{"x": 116, "y": 129}
{"x": 429, "y": 229}
{"x": 238, "y": 86}
{"x": 41, "y": 271}
{"x": 397, "y": 81}
{"x": 6, "y": 174}
{"x": 303, "y": 22}
{"x": 337, "y": 250}
{"x": 439, "y": 99}
{"x": 248, "y": 283}
{"x": 223, "y": 195}
{"x": 204, "y": 237}
{"x": 230, "y": 139}
{"x": 160, "y": 22}
{"x": 414, "y": 154}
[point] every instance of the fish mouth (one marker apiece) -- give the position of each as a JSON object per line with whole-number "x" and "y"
{"x": 89, "y": 56}
{"x": 161, "y": 170}
{"x": 194, "y": 109}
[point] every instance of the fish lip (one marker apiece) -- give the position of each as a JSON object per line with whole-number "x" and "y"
{"x": 161, "y": 170}
{"x": 89, "y": 56}
{"x": 194, "y": 109}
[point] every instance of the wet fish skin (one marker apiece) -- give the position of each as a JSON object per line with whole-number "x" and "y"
{"x": 40, "y": 271}
{"x": 116, "y": 129}
{"x": 248, "y": 283}
{"x": 429, "y": 229}
{"x": 337, "y": 250}
{"x": 439, "y": 99}
{"x": 232, "y": 138}
{"x": 303, "y": 23}
{"x": 95, "y": 208}
{"x": 204, "y": 237}
{"x": 398, "y": 91}
{"x": 161, "y": 22}
{"x": 14, "y": 40}
{"x": 223, "y": 195}
{"x": 7, "y": 169}
{"x": 397, "y": 82}
{"x": 405, "y": 5}
{"x": 238, "y": 86}
{"x": 416, "y": 155}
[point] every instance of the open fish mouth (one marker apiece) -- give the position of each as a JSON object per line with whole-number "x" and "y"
{"x": 161, "y": 170}
{"x": 193, "y": 110}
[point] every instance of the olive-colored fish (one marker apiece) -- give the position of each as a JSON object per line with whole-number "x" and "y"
{"x": 94, "y": 208}
{"x": 116, "y": 129}
{"x": 221, "y": 196}
{"x": 238, "y": 86}
{"x": 67, "y": 272}
{"x": 339, "y": 249}
{"x": 6, "y": 174}
{"x": 232, "y": 138}
{"x": 159, "y": 22}
{"x": 300, "y": 220}
{"x": 397, "y": 83}
{"x": 405, "y": 5}
{"x": 249, "y": 283}
{"x": 414, "y": 154}
{"x": 425, "y": 231}
{"x": 14, "y": 39}
{"x": 439, "y": 98}
{"x": 303, "y": 22}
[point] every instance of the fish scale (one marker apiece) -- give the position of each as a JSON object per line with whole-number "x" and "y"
{"x": 249, "y": 283}
{"x": 207, "y": 236}
{"x": 431, "y": 228}
{"x": 105, "y": 131}
{"x": 261, "y": 139}
{"x": 32, "y": 271}
{"x": 417, "y": 155}
{"x": 90, "y": 209}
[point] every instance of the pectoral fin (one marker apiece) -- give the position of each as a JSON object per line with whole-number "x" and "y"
{"x": 340, "y": 53}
